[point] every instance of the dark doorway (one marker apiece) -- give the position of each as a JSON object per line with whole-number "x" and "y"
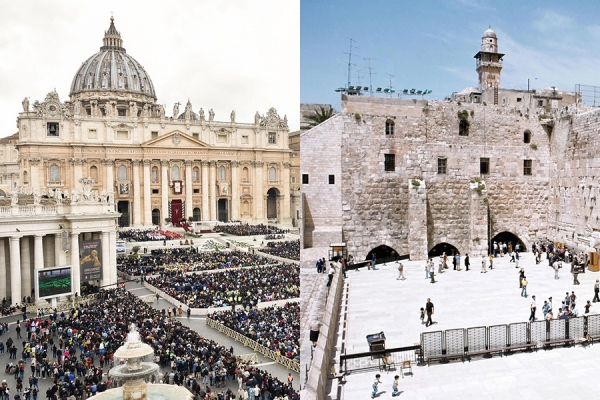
{"x": 508, "y": 238}
{"x": 441, "y": 248}
{"x": 383, "y": 254}
{"x": 176, "y": 212}
{"x": 272, "y": 196}
{"x": 123, "y": 208}
{"x": 156, "y": 216}
{"x": 222, "y": 210}
{"x": 196, "y": 214}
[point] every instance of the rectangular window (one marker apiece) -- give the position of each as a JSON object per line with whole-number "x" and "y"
{"x": 122, "y": 112}
{"x": 92, "y": 134}
{"x": 390, "y": 162}
{"x": 154, "y": 134}
{"x": 122, "y": 135}
{"x": 245, "y": 139}
{"x": 53, "y": 129}
{"x": 526, "y": 167}
{"x": 196, "y": 136}
{"x": 484, "y": 166}
{"x": 442, "y": 164}
{"x": 518, "y": 99}
{"x": 293, "y": 179}
{"x": 272, "y": 138}
{"x": 155, "y": 191}
{"x": 222, "y": 138}
{"x": 196, "y": 191}
{"x": 540, "y": 103}
{"x": 332, "y": 179}
{"x": 305, "y": 179}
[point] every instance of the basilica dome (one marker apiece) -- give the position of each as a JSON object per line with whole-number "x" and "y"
{"x": 112, "y": 69}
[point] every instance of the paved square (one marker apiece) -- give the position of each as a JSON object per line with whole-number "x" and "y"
{"x": 380, "y": 302}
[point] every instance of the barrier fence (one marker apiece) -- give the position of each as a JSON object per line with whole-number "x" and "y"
{"x": 246, "y": 341}
{"x": 66, "y": 305}
{"x": 387, "y": 358}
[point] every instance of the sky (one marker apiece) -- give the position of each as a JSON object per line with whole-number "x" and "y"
{"x": 431, "y": 44}
{"x": 226, "y": 55}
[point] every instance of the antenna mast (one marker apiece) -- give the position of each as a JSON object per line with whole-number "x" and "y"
{"x": 350, "y": 60}
{"x": 390, "y": 76}
{"x": 370, "y": 72}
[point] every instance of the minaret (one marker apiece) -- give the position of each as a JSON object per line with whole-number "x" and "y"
{"x": 489, "y": 61}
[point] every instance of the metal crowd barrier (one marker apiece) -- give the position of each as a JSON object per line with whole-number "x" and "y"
{"x": 373, "y": 359}
{"x": 246, "y": 341}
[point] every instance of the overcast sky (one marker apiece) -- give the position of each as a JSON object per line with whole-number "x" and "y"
{"x": 227, "y": 55}
{"x": 431, "y": 44}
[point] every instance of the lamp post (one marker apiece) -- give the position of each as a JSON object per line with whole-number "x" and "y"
{"x": 528, "y": 83}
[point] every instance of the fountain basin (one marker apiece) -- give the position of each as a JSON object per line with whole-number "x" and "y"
{"x": 123, "y": 372}
{"x": 153, "y": 392}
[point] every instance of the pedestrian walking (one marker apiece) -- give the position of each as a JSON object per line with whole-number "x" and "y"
{"x": 432, "y": 272}
{"x": 524, "y": 286}
{"x": 422, "y": 315}
{"x": 330, "y": 276}
{"x": 373, "y": 261}
{"x": 533, "y": 308}
{"x": 400, "y": 271}
{"x": 395, "y": 391}
{"x": 483, "y": 266}
{"x": 521, "y": 276}
{"x": 576, "y": 274}
{"x": 587, "y": 307}
{"x": 429, "y": 309}
{"x": 457, "y": 258}
{"x": 517, "y": 259}
{"x": 596, "y": 290}
{"x": 491, "y": 261}
{"x": 573, "y": 298}
{"x": 557, "y": 265}
{"x": 467, "y": 262}
{"x": 545, "y": 308}
{"x": 441, "y": 265}
{"x": 375, "y": 385}
{"x": 427, "y": 265}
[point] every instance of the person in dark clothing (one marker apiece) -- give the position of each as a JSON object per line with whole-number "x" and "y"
{"x": 429, "y": 309}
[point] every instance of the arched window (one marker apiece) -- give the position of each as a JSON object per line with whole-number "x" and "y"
{"x": 122, "y": 173}
{"x": 175, "y": 173}
{"x": 527, "y": 136}
{"x": 195, "y": 175}
{"x": 245, "y": 207}
{"x": 54, "y": 174}
{"x": 94, "y": 173}
{"x": 196, "y": 214}
{"x": 154, "y": 174}
{"x": 222, "y": 175}
{"x": 389, "y": 127}
{"x": 25, "y": 177}
{"x": 272, "y": 174}
{"x": 245, "y": 175}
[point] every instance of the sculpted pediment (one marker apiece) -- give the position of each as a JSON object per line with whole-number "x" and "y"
{"x": 175, "y": 139}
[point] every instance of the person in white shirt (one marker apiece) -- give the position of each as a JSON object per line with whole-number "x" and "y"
{"x": 533, "y": 308}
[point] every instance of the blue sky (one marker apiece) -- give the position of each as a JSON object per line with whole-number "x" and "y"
{"x": 431, "y": 44}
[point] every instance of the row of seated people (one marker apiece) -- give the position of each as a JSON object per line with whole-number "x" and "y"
{"x": 288, "y": 249}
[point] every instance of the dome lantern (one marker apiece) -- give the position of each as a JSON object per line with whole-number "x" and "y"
{"x": 112, "y": 38}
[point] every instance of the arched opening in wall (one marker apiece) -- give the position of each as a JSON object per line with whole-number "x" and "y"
{"x": 442, "y": 248}
{"x": 156, "y": 216}
{"x": 272, "y": 195}
{"x": 2, "y": 193}
{"x": 383, "y": 254}
{"x": 509, "y": 238}
{"x": 196, "y": 214}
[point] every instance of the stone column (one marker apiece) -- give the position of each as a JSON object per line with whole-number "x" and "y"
{"x": 147, "y": 194}
{"x": 285, "y": 208}
{"x": 75, "y": 262}
{"x": 77, "y": 164}
{"x": 258, "y": 192}
{"x": 417, "y": 220}
{"x": 235, "y": 195}
{"x": 212, "y": 190}
{"x": 109, "y": 164}
{"x": 164, "y": 190}
{"x": 189, "y": 207}
{"x": 15, "y": 269}
{"x": 112, "y": 257}
{"x": 58, "y": 259}
{"x": 3, "y": 258}
{"x": 137, "y": 195}
{"x": 106, "y": 259}
{"x": 25, "y": 267}
{"x": 478, "y": 214}
{"x": 205, "y": 204}
{"x": 34, "y": 163}
{"x": 38, "y": 252}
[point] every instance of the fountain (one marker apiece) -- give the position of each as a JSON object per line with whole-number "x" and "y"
{"x": 134, "y": 372}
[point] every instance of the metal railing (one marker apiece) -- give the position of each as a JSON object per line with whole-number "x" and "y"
{"x": 373, "y": 359}
{"x": 246, "y": 341}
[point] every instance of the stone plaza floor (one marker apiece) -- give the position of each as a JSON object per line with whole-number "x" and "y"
{"x": 379, "y": 302}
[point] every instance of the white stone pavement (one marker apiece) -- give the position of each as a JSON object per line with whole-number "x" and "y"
{"x": 379, "y": 302}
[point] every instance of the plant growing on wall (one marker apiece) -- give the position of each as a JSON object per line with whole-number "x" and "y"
{"x": 415, "y": 183}
{"x": 533, "y": 146}
{"x": 357, "y": 117}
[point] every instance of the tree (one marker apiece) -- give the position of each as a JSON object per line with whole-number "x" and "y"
{"x": 321, "y": 115}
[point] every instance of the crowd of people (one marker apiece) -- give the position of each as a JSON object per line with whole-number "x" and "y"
{"x": 250, "y": 230}
{"x": 147, "y": 235}
{"x": 247, "y": 286}
{"x": 277, "y": 328}
{"x": 188, "y": 259}
{"x": 75, "y": 350}
{"x": 287, "y": 249}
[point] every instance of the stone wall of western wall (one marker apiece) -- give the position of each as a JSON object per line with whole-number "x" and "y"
{"x": 376, "y": 203}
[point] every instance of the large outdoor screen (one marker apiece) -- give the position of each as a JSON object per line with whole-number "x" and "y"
{"x": 54, "y": 282}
